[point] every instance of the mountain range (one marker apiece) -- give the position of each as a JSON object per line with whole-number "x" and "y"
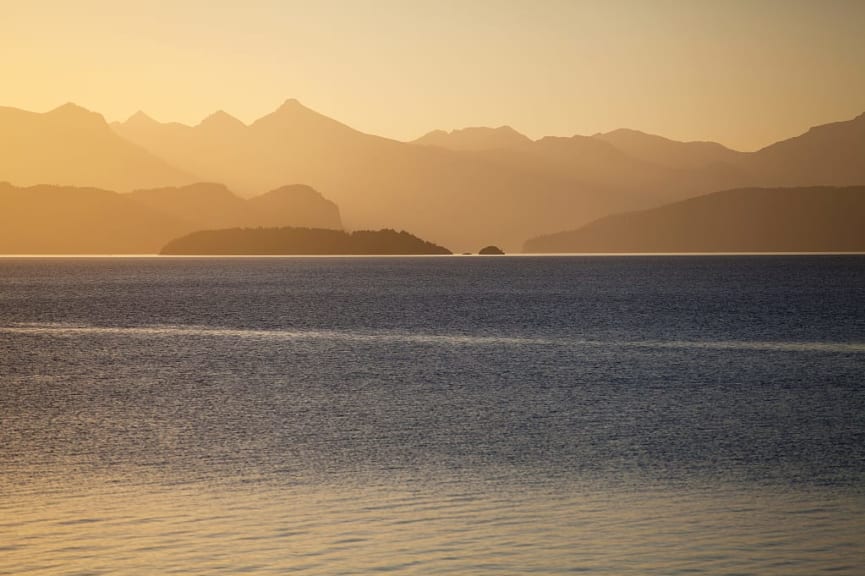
{"x": 49, "y": 219}
{"x": 72, "y": 146}
{"x": 807, "y": 219}
{"x": 462, "y": 189}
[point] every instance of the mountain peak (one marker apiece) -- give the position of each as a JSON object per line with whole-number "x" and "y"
{"x": 623, "y": 132}
{"x": 140, "y": 119}
{"x": 294, "y": 190}
{"x": 71, "y": 113}
{"x": 221, "y": 120}
{"x": 292, "y": 115}
{"x": 291, "y": 104}
{"x": 291, "y": 108}
{"x": 475, "y": 138}
{"x": 507, "y": 129}
{"x": 69, "y": 108}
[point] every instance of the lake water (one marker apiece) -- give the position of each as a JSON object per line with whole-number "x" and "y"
{"x": 453, "y": 415}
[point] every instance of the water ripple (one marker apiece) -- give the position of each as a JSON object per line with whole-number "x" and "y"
{"x": 169, "y": 331}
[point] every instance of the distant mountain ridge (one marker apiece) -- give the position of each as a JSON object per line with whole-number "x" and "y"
{"x": 466, "y": 186}
{"x": 666, "y": 152}
{"x": 68, "y": 220}
{"x": 73, "y": 146}
{"x": 812, "y": 219}
{"x": 831, "y": 154}
{"x": 209, "y": 205}
{"x": 476, "y": 138}
{"x": 379, "y": 182}
{"x": 462, "y": 189}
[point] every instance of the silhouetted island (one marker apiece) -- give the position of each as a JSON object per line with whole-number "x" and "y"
{"x": 491, "y": 250}
{"x": 300, "y": 241}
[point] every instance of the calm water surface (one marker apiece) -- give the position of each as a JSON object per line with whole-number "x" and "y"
{"x": 650, "y": 415}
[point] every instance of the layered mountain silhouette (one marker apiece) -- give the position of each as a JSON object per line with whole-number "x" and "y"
{"x": 215, "y": 206}
{"x": 68, "y": 220}
{"x": 670, "y": 153}
{"x": 475, "y": 138}
{"x": 377, "y": 182}
{"x": 462, "y": 187}
{"x": 301, "y": 241}
{"x": 812, "y": 219}
{"x": 72, "y": 146}
{"x": 496, "y": 183}
{"x": 831, "y": 154}
{"x": 456, "y": 188}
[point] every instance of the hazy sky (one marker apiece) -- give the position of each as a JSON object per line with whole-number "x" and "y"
{"x": 744, "y": 73}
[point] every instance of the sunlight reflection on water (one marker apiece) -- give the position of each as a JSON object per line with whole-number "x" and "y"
{"x": 341, "y": 529}
{"x": 59, "y": 329}
{"x": 475, "y": 416}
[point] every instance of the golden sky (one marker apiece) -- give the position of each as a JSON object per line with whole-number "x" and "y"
{"x": 741, "y": 72}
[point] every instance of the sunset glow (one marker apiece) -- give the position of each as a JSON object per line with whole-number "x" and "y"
{"x": 742, "y": 73}
{"x": 466, "y": 287}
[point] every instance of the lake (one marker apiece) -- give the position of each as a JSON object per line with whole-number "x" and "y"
{"x": 448, "y": 415}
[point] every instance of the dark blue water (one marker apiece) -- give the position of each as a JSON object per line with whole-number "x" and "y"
{"x": 652, "y": 378}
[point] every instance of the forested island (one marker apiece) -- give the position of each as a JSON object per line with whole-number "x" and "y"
{"x": 300, "y": 241}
